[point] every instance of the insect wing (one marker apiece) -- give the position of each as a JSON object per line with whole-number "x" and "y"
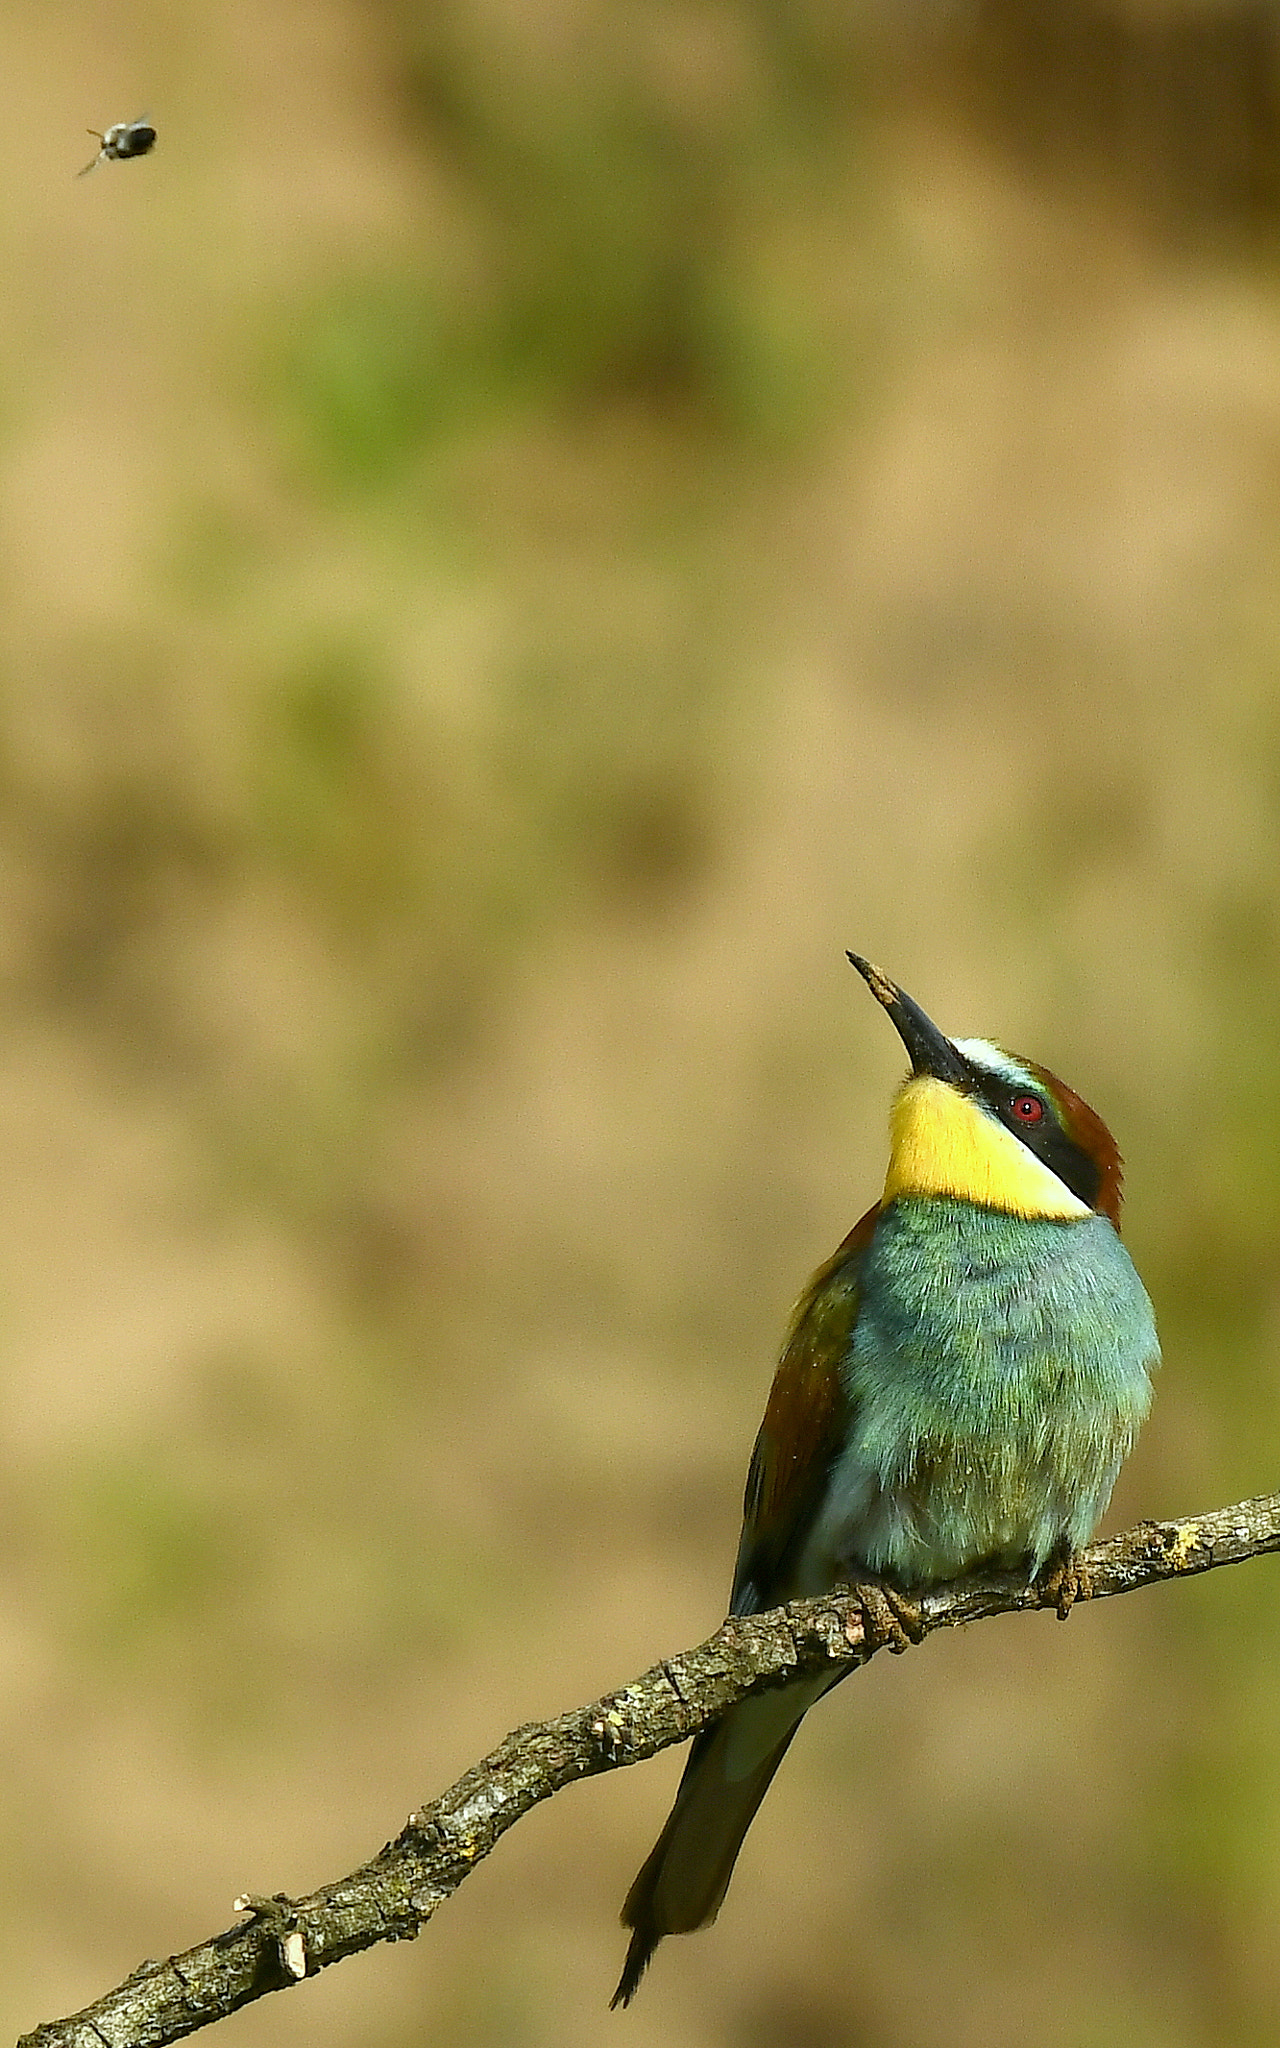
{"x": 94, "y": 160}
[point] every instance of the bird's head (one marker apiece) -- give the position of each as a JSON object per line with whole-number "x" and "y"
{"x": 974, "y": 1122}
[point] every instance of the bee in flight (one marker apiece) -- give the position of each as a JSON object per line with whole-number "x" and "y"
{"x": 125, "y": 138}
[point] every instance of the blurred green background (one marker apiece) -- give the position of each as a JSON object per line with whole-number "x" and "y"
{"x": 526, "y": 527}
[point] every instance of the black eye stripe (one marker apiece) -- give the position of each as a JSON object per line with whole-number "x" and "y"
{"x": 1046, "y": 1138}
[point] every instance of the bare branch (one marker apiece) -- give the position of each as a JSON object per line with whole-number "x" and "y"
{"x": 392, "y": 1897}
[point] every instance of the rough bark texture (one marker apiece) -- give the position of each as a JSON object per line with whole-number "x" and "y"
{"x": 392, "y": 1897}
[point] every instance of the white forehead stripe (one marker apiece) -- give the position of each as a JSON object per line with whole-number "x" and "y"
{"x": 993, "y": 1059}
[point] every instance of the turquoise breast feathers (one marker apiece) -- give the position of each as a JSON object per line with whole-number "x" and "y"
{"x": 997, "y": 1375}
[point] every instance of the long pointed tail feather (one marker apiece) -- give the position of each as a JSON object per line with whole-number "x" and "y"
{"x": 683, "y": 1880}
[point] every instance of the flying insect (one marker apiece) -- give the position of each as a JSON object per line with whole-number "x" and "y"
{"x": 123, "y": 139}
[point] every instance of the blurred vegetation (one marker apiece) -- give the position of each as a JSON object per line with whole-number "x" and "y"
{"x": 526, "y": 529}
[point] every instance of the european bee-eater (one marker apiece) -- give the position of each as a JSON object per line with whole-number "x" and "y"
{"x": 960, "y": 1386}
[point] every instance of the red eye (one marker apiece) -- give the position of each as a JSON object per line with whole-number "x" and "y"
{"x": 1028, "y": 1109}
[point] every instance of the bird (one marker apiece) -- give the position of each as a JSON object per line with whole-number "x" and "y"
{"x": 959, "y": 1387}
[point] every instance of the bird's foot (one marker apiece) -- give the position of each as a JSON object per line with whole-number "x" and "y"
{"x": 1063, "y": 1581}
{"x": 890, "y": 1621}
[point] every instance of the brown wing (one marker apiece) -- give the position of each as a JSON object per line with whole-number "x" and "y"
{"x": 805, "y": 1425}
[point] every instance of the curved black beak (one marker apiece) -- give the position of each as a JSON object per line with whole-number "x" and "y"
{"x": 931, "y": 1052}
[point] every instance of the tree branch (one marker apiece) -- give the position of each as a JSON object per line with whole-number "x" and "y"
{"x": 393, "y": 1896}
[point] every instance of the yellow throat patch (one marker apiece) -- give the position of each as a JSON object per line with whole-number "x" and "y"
{"x": 944, "y": 1143}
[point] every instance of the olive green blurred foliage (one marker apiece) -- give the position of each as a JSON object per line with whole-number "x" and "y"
{"x": 607, "y": 507}
{"x": 636, "y": 199}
